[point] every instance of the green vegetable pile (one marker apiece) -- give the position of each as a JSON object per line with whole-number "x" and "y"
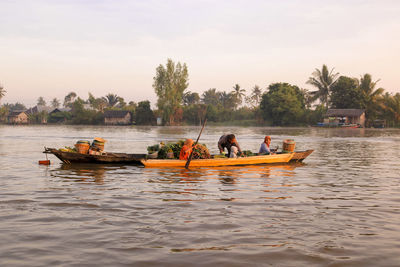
{"x": 152, "y": 149}
{"x": 200, "y": 151}
{"x": 248, "y": 153}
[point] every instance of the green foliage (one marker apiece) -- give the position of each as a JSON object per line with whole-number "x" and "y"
{"x": 346, "y": 94}
{"x": 69, "y": 99}
{"x": 372, "y": 97}
{"x": 391, "y": 109}
{"x": 200, "y": 151}
{"x": 83, "y": 116}
{"x": 144, "y": 114}
{"x": 194, "y": 114}
{"x": 15, "y": 107}
{"x": 131, "y": 107}
{"x": 283, "y": 105}
{"x": 228, "y": 101}
{"x": 3, "y": 113}
{"x": 41, "y": 101}
{"x": 238, "y": 94}
{"x": 2, "y": 92}
{"x": 169, "y": 84}
{"x": 210, "y": 97}
{"x": 112, "y": 100}
{"x": 55, "y": 103}
{"x": 59, "y": 117}
{"x": 153, "y": 148}
{"x": 243, "y": 113}
{"x": 323, "y": 80}
{"x": 190, "y": 98}
{"x": 314, "y": 116}
{"x": 37, "y": 118}
{"x": 255, "y": 97}
{"x": 248, "y": 153}
{"x": 212, "y": 113}
{"x": 174, "y": 147}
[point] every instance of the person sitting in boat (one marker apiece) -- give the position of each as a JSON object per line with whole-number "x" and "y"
{"x": 264, "y": 148}
{"x": 186, "y": 149}
{"x": 227, "y": 141}
{"x": 234, "y": 151}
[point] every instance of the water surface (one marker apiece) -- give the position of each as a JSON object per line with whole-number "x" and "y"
{"x": 340, "y": 208}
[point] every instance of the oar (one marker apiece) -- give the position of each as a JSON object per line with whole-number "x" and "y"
{"x": 191, "y": 153}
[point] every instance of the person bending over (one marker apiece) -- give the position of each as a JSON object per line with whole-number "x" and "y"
{"x": 227, "y": 141}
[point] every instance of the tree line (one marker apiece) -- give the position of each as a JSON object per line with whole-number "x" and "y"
{"x": 279, "y": 104}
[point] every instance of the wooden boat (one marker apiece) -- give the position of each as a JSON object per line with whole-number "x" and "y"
{"x": 74, "y": 157}
{"x": 350, "y": 126}
{"x": 214, "y": 162}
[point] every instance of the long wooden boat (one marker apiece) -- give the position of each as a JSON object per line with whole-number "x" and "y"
{"x": 73, "y": 157}
{"x": 214, "y": 162}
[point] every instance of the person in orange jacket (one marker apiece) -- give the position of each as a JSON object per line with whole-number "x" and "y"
{"x": 186, "y": 149}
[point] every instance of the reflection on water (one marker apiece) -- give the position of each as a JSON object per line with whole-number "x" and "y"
{"x": 231, "y": 173}
{"x": 81, "y": 172}
{"x": 339, "y": 208}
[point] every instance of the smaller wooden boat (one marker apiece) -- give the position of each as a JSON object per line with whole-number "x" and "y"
{"x": 214, "y": 162}
{"x": 116, "y": 158}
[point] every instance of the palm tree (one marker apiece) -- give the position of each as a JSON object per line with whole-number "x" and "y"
{"x": 323, "y": 80}
{"x": 100, "y": 104}
{"x": 2, "y": 91}
{"x": 371, "y": 97}
{"x": 41, "y": 101}
{"x": 55, "y": 103}
{"x": 255, "y": 96}
{"x": 121, "y": 102}
{"x": 238, "y": 94}
{"x": 210, "y": 97}
{"x": 190, "y": 98}
{"x": 228, "y": 101}
{"x": 69, "y": 99}
{"x": 391, "y": 108}
{"x": 307, "y": 97}
{"x": 111, "y": 99}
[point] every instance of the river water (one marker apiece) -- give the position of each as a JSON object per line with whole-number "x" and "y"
{"x": 341, "y": 207}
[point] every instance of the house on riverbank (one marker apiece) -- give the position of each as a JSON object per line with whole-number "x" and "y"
{"x": 17, "y": 117}
{"x": 117, "y": 117}
{"x": 344, "y": 117}
{"x": 38, "y": 114}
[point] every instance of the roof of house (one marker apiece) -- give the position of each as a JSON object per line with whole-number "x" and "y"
{"x": 38, "y": 109}
{"x": 344, "y": 112}
{"x": 115, "y": 113}
{"x": 60, "y": 110}
{"x": 15, "y": 113}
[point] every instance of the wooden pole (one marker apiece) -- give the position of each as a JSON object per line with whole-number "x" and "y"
{"x": 191, "y": 153}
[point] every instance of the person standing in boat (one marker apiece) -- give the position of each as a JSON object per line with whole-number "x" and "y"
{"x": 186, "y": 149}
{"x": 227, "y": 141}
{"x": 264, "y": 148}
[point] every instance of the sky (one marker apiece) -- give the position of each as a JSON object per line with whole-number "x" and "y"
{"x": 49, "y": 48}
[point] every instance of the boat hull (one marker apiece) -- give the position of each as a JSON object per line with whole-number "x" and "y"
{"x": 254, "y": 160}
{"x": 113, "y": 158}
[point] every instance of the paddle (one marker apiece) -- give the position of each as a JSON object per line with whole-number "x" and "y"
{"x": 191, "y": 153}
